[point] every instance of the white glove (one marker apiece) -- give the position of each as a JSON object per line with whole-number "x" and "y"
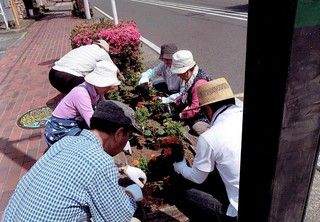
{"x": 127, "y": 148}
{"x": 136, "y": 192}
{"x": 135, "y": 174}
{"x": 163, "y": 99}
{"x": 180, "y": 166}
{"x": 143, "y": 80}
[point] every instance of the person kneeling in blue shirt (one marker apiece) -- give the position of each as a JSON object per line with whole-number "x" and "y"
{"x": 77, "y": 179}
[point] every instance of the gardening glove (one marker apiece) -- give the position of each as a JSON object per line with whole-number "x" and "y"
{"x": 136, "y": 175}
{"x": 127, "y": 148}
{"x": 163, "y": 99}
{"x": 143, "y": 89}
{"x": 143, "y": 80}
{"x": 135, "y": 191}
{"x": 180, "y": 166}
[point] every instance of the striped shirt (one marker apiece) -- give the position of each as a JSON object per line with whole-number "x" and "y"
{"x": 74, "y": 181}
{"x": 81, "y": 61}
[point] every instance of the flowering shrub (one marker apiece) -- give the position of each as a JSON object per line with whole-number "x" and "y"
{"x": 123, "y": 39}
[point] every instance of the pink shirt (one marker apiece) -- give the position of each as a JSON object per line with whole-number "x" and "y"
{"x": 194, "y": 103}
{"x": 78, "y": 102}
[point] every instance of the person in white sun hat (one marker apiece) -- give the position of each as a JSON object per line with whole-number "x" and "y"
{"x": 79, "y": 103}
{"x": 211, "y": 185}
{"x": 186, "y": 68}
{"x": 70, "y": 70}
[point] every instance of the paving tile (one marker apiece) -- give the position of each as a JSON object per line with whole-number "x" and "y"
{"x": 25, "y": 86}
{"x": 5, "y": 199}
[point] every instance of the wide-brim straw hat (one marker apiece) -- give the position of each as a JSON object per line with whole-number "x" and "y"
{"x": 103, "y": 75}
{"x": 182, "y": 61}
{"x": 215, "y": 91}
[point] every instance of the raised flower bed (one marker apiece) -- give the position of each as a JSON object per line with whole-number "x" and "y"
{"x": 163, "y": 141}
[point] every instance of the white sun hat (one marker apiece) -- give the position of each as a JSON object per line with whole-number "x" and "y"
{"x": 103, "y": 44}
{"x": 103, "y": 75}
{"x": 182, "y": 61}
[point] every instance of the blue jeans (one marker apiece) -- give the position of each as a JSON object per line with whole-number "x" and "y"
{"x": 203, "y": 202}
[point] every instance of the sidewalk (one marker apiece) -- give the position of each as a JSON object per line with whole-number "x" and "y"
{"x": 25, "y": 86}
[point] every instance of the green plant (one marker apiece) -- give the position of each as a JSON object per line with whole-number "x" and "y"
{"x": 114, "y": 94}
{"x": 142, "y": 163}
{"x": 141, "y": 115}
{"x": 131, "y": 78}
{"x": 155, "y": 106}
{"x": 154, "y": 131}
{"x": 173, "y": 128}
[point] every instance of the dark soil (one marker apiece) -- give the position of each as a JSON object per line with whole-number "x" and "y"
{"x": 157, "y": 191}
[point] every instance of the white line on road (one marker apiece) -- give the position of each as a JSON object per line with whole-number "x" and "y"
{"x": 205, "y": 10}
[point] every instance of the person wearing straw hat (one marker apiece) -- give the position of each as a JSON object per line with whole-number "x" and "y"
{"x": 171, "y": 85}
{"x": 79, "y": 102}
{"x": 70, "y": 70}
{"x": 185, "y": 106}
{"x": 77, "y": 180}
{"x": 217, "y": 155}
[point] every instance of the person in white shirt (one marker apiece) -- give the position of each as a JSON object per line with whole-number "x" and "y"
{"x": 70, "y": 70}
{"x": 169, "y": 84}
{"x": 217, "y": 156}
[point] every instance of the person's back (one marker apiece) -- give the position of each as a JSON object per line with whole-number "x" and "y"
{"x": 82, "y": 60}
{"x": 77, "y": 179}
{"x": 224, "y": 138}
{"x": 216, "y": 166}
{"x": 64, "y": 185}
{"x": 70, "y": 70}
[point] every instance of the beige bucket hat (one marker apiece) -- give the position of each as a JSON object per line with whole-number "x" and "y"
{"x": 215, "y": 91}
{"x": 103, "y": 75}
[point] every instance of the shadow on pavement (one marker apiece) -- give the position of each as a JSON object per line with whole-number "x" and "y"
{"x": 240, "y": 8}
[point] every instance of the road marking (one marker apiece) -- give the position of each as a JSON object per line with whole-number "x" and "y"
{"x": 144, "y": 40}
{"x": 192, "y": 8}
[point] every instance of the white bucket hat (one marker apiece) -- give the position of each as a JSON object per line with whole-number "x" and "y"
{"x": 104, "y": 74}
{"x": 103, "y": 44}
{"x": 182, "y": 61}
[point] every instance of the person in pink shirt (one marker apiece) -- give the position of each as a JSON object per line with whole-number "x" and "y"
{"x": 78, "y": 105}
{"x": 185, "y": 67}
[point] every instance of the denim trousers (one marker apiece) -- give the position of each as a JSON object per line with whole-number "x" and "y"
{"x": 203, "y": 202}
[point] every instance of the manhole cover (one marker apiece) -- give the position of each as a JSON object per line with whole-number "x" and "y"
{"x": 36, "y": 118}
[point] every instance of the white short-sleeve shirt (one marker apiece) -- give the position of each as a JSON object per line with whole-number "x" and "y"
{"x": 220, "y": 147}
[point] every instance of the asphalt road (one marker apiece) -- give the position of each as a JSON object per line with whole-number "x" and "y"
{"x": 215, "y": 31}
